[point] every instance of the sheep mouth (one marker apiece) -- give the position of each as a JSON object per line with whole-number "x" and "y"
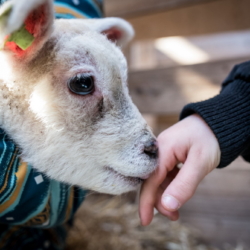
{"x": 128, "y": 179}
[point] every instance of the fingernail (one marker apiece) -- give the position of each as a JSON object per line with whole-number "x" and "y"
{"x": 169, "y": 202}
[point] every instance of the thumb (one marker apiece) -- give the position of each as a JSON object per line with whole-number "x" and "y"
{"x": 182, "y": 188}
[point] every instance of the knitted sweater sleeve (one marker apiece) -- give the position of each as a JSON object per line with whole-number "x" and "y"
{"x": 228, "y": 115}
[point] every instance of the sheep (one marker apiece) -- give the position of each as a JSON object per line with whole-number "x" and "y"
{"x": 64, "y": 98}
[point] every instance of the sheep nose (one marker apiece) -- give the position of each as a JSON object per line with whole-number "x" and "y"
{"x": 151, "y": 149}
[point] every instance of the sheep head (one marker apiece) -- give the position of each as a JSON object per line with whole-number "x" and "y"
{"x": 64, "y": 98}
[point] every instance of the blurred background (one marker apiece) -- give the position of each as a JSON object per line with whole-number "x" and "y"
{"x": 182, "y": 51}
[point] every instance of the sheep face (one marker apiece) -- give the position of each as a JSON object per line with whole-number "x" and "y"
{"x": 65, "y": 102}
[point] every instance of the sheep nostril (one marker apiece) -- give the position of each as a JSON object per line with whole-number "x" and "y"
{"x": 151, "y": 149}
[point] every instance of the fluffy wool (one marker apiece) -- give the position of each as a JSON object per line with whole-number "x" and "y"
{"x": 95, "y": 141}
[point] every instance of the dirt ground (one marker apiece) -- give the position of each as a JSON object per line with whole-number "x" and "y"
{"x": 111, "y": 223}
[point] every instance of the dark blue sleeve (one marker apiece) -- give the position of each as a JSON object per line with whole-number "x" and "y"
{"x": 228, "y": 114}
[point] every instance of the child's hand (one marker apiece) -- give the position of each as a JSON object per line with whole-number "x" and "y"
{"x": 192, "y": 143}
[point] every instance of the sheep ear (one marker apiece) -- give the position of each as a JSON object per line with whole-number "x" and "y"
{"x": 116, "y": 29}
{"x": 24, "y": 27}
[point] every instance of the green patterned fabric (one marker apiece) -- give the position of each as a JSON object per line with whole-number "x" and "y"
{"x": 78, "y": 8}
{"x": 29, "y": 199}
{"x": 47, "y": 202}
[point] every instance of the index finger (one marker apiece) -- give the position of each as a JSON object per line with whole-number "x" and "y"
{"x": 150, "y": 188}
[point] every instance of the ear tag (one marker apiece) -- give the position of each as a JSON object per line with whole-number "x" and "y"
{"x": 21, "y": 37}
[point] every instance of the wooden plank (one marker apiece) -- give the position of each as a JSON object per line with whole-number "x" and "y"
{"x": 174, "y": 51}
{"x": 139, "y": 7}
{"x": 220, "y": 209}
{"x": 158, "y": 123}
{"x": 167, "y": 90}
{"x": 210, "y": 17}
{"x": 220, "y": 231}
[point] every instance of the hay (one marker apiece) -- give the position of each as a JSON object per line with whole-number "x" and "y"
{"x": 111, "y": 223}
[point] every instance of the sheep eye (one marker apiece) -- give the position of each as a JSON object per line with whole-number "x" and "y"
{"x": 81, "y": 84}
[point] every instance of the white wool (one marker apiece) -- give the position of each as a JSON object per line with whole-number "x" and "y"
{"x": 94, "y": 141}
